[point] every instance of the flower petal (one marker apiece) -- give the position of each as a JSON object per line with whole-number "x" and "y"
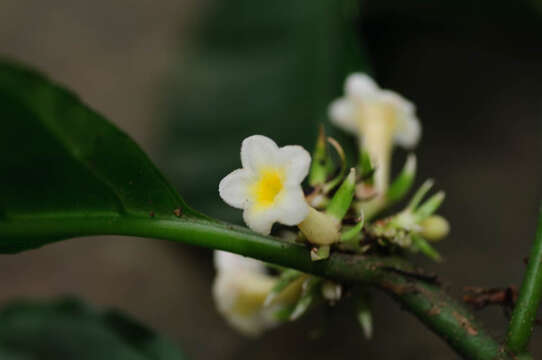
{"x": 233, "y": 189}
{"x": 297, "y": 163}
{"x": 260, "y": 220}
{"x": 360, "y": 87}
{"x": 227, "y": 261}
{"x": 409, "y": 133}
{"x": 239, "y": 297}
{"x": 342, "y": 113}
{"x": 293, "y": 207}
{"x": 408, "y": 130}
{"x": 258, "y": 151}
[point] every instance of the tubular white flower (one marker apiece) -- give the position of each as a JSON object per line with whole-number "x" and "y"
{"x": 239, "y": 290}
{"x": 379, "y": 118}
{"x": 268, "y": 187}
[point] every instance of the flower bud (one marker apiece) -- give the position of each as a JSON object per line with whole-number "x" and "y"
{"x": 434, "y": 228}
{"x": 320, "y": 228}
{"x": 331, "y": 291}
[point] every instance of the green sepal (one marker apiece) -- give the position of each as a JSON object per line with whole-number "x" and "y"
{"x": 364, "y": 314}
{"x": 330, "y": 185}
{"x": 320, "y": 253}
{"x": 310, "y": 291}
{"x": 322, "y": 165}
{"x": 403, "y": 182}
{"x": 429, "y": 207}
{"x": 353, "y": 232}
{"x": 420, "y": 193}
{"x": 341, "y": 201}
{"x": 422, "y": 245}
{"x": 285, "y": 279}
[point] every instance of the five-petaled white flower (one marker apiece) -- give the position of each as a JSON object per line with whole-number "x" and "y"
{"x": 379, "y": 117}
{"x": 268, "y": 187}
{"x": 239, "y": 290}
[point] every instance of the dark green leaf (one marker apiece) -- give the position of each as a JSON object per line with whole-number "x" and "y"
{"x": 68, "y": 329}
{"x": 60, "y": 160}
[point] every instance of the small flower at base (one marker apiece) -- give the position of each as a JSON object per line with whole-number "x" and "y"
{"x": 268, "y": 187}
{"x": 239, "y": 290}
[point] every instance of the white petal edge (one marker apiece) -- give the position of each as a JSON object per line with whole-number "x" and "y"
{"x": 297, "y": 162}
{"x": 409, "y": 136}
{"x": 233, "y": 188}
{"x": 260, "y": 221}
{"x": 227, "y": 261}
{"x": 360, "y": 86}
{"x": 258, "y": 151}
{"x": 342, "y": 113}
{"x": 292, "y": 207}
{"x": 408, "y": 131}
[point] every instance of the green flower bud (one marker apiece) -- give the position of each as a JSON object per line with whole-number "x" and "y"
{"x": 331, "y": 291}
{"x": 434, "y": 228}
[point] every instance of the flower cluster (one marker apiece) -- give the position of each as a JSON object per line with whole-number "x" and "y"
{"x": 336, "y": 212}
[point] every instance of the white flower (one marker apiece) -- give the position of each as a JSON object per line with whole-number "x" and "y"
{"x": 268, "y": 187}
{"x": 379, "y": 117}
{"x": 239, "y": 290}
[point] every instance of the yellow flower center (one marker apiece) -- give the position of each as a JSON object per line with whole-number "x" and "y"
{"x": 267, "y": 187}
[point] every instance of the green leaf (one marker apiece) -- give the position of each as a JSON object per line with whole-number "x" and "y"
{"x": 61, "y": 160}
{"x": 68, "y": 329}
{"x": 66, "y": 172}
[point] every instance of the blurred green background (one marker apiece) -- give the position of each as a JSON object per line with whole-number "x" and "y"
{"x": 188, "y": 80}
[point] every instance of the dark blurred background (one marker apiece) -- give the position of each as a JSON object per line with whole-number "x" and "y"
{"x": 188, "y": 80}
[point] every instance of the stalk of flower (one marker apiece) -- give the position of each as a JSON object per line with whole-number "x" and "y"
{"x": 379, "y": 118}
{"x": 240, "y": 289}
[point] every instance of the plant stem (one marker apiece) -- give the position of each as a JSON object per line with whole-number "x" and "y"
{"x": 530, "y": 294}
{"x": 396, "y": 276}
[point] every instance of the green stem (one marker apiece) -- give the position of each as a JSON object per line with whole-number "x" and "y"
{"x": 394, "y": 275}
{"x": 530, "y": 294}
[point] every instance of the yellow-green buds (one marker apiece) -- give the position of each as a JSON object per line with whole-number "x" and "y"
{"x": 434, "y": 228}
{"x": 320, "y": 228}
